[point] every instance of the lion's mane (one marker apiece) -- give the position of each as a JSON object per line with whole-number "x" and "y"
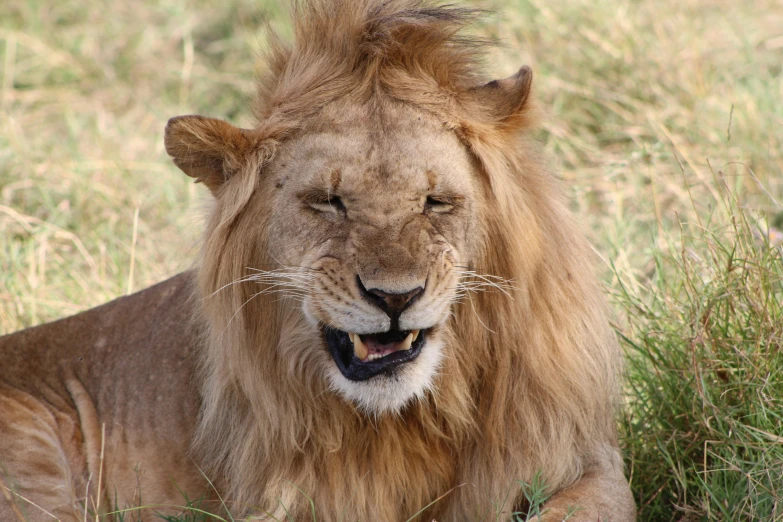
{"x": 529, "y": 383}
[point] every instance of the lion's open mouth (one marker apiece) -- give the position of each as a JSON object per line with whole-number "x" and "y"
{"x": 360, "y": 357}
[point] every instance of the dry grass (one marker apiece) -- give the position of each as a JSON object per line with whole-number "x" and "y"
{"x": 666, "y": 119}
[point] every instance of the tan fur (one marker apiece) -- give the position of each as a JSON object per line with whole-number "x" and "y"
{"x": 380, "y": 103}
{"x": 98, "y": 407}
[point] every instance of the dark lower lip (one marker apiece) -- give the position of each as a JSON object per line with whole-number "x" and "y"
{"x": 341, "y": 349}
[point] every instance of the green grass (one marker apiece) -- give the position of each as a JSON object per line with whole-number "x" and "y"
{"x": 704, "y": 424}
{"x": 666, "y": 119}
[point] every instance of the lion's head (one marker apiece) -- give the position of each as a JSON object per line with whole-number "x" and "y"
{"x": 353, "y": 232}
{"x": 369, "y": 217}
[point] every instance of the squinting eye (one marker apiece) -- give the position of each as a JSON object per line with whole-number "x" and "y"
{"x": 331, "y": 204}
{"x": 439, "y": 204}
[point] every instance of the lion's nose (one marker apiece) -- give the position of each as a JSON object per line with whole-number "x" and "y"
{"x": 391, "y": 303}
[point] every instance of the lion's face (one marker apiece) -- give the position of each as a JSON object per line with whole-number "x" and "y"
{"x": 376, "y": 224}
{"x": 371, "y": 212}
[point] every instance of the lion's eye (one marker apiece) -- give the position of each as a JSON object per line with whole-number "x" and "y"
{"x": 439, "y": 204}
{"x": 331, "y": 204}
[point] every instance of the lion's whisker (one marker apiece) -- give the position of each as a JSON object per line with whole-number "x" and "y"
{"x": 243, "y": 279}
{"x": 478, "y": 317}
{"x": 237, "y": 311}
{"x": 298, "y": 274}
{"x": 485, "y": 281}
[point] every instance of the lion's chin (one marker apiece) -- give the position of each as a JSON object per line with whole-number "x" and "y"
{"x": 391, "y": 388}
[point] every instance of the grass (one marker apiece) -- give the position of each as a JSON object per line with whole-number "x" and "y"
{"x": 704, "y": 424}
{"x": 666, "y": 121}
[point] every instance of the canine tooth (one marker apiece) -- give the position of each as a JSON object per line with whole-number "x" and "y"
{"x": 415, "y": 334}
{"x": 359, "y": 349}
{"x": 406, "y": 344}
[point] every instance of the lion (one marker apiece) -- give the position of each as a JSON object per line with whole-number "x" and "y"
{"x": 392, "y": 317}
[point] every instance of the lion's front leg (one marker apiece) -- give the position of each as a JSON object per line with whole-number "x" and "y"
{"x": 602, "y": 494}
{"x": 37, "y": 482}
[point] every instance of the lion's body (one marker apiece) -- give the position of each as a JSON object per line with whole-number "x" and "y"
{"x": 116, "y": 379}
{"x": 378, "y": 169}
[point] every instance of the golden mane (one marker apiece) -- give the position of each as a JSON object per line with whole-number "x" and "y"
{"x": 530, "y": 384}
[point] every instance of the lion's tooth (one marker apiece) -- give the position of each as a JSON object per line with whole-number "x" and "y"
{"x": 406, "y": 344}
{"x": 359, "y": 349}
{"x": 415, "y": 334}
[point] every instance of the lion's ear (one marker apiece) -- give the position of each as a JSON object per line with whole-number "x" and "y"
{"x": 207, "y": 149}
{"x": 506, "y": 98}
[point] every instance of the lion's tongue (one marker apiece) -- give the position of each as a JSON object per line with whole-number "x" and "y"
{"x": 376, "y": 347}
